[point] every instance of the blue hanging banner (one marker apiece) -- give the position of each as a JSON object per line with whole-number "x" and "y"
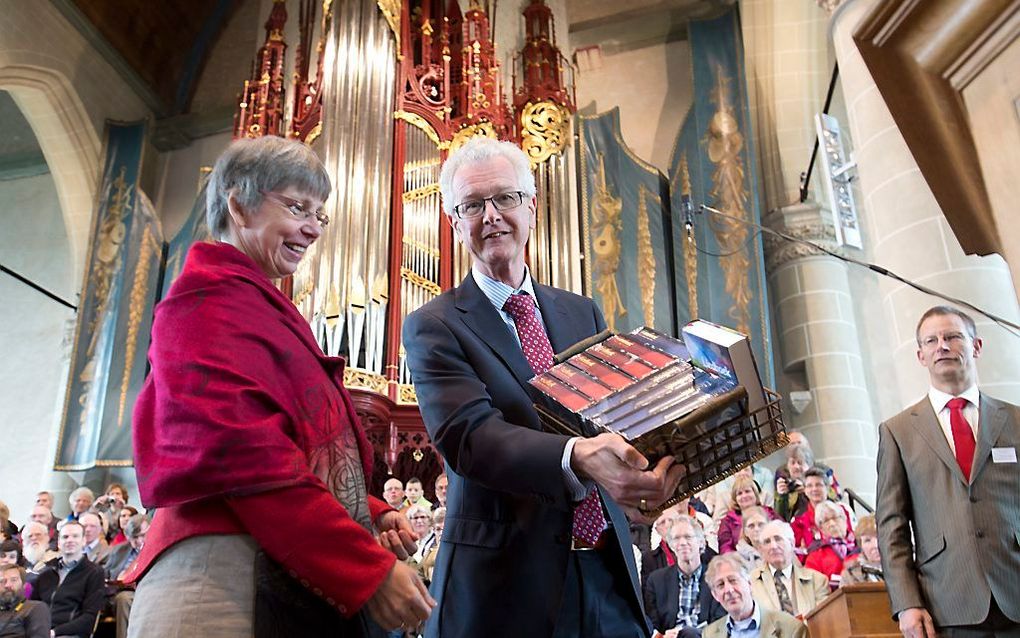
{"x": 194, "y": 230}
{"x": 625, "y": 227}
{"x": 108, "y": 361}
{"x": 720, "y": 265}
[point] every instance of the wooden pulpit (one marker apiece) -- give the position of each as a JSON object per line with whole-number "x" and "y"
{"x": 854, "y": 611}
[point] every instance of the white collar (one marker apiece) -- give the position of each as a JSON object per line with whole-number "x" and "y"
{"x": 939, "y": 399}
{"x": 498, "y": 292}
{"x": 787, "y": 571}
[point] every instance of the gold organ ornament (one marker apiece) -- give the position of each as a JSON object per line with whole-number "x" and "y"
{"x": 606, "y": 227}
{"x": 545, "y": 130}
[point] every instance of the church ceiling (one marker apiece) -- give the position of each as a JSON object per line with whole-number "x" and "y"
{"x": 166, "y": 44}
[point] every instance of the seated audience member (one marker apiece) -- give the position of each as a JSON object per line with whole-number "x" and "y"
{"x": 20, "y": 618}
{"x": 8, "y": 529}
{"x": 676, "y": 597}
{"x": 126, "y": 513}
{"x": 96, "y": 547}
{"x": 36, "y": 548}
{"x": 743, "y": 494}
{"x": 45, "y": 499}
{"x": 421, "y": 522}
{"x": 71, "y": 585}
{"x": 660, "y": 555}
{"x": 393, "y": 493}
{"x": 415, "y": 494}
{"x": 827, "y": 554}
{"x": 717, "y": 497}
{"x": 442, "y": 482}
{"x": 10, "y": 553}
{"x": 428, "y": 561}
{"x": 798, "y": 438}
{"x": 43, "y": 514}
{"x": 816, "y": 489}
{"x": 81, "y": 500}
{"x": 790, "y": 499}
{"x": 117, "y": 563}
{"x": 866, "y": 565}
{"x": 753, "y": 520}
{"x": 728, "y": 578}
{"x": 110, "y": 504}
{"x": 781, "y": 584}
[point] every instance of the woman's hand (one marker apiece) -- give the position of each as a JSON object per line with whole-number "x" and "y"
{"x": 396, "y": 535}
{"x": 402, "y": 600}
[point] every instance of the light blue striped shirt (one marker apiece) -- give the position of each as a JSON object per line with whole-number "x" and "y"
{"x": 497, "y": 293}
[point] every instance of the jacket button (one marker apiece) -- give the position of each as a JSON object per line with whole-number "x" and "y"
{"x": 973, "y": 499}
{"x": 980, "y": 534}
{"x": 562, "y": 539}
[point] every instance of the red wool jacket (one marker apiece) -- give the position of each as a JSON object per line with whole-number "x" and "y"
{"x": 241, "y": 421}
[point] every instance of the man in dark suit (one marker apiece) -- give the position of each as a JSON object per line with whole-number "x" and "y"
{"x": 535, "y": 542}
{"x": 676, "y": 597}
{"x": 947, "y": 471}
{"x": 71, "y": 585}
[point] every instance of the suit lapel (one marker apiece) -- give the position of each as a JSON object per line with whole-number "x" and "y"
{"x": 482, "y": 318}
{"x": 673, "y": 593}
{"x": 768, "y": 626}
{"x": 991, "y": 420}
{"x": 561, "y": 329}
{"x": 770, "y": 585}
{"x": 922, "y": 417}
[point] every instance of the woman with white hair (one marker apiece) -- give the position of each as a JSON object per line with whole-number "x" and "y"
{"x": 828, "y": 554}
{"x": 244, "y": 423}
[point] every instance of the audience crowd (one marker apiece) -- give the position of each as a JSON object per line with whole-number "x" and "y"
{"x": 738, "y": 552}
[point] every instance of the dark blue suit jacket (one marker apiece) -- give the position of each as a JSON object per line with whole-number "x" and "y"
{"x": 503, "y": 559}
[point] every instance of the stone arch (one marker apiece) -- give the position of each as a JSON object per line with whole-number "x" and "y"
{"x": 69, "y": 143}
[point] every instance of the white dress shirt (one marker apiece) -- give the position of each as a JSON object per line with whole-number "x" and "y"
{"x": 939, "y": 399}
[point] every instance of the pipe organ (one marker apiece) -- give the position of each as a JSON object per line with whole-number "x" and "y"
{"x": 398, "y": 84}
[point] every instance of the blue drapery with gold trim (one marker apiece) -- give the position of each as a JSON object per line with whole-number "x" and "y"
{"x": 625, "y": 229}
{"x": 720, "y": 268}
{"x": 108, "y": 360}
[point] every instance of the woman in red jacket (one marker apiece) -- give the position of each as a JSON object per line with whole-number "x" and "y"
{"x": 828, "y": 553}
{"x": 248, "y": 443}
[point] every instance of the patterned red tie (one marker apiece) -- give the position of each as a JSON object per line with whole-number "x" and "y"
{"x": 963, "y": 436}
{"x": 589, "y": 520}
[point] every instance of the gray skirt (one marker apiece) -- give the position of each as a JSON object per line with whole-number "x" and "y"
{"x": 202, "y": 587}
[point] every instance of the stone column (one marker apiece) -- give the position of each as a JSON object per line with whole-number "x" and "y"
{"x": 906, "y": 232}
{"x": 819, "y": 346}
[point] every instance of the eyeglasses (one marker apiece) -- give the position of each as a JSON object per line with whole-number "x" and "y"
{"x": 951, "y": 338}
{"x": 295, "y": 208}
{"x": 421, "y": 517}
{"x": 501, "y": 201}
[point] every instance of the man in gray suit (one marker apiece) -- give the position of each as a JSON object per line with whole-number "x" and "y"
{"x": 947, "y": 470}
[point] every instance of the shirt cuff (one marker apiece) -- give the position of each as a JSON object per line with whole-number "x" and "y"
{"x": 577, "y": 489}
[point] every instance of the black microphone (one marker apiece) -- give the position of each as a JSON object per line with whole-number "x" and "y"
{"x": 685, "y": 201}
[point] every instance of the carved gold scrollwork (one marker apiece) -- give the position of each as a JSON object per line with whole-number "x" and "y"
{"x": 406, "y": 394}
{"x": 645, "y": 257}
{"x": 545, "y": 130}
{"x": 462, "y": 136}
{"x": 364, "y": 380}
{"x": 725, "y": 142}
{"x": 420, "y": 193}
{"x": 136, "y": 311}
{"x": 606, "y": 227}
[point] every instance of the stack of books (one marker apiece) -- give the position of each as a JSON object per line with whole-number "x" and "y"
{"x": 691, "y": 399}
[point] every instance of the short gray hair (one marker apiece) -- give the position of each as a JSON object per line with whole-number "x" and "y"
{"x": 479, "y": 149}
{"x": 79, "y": 492}
{"x": 134, "y": 525}
{"x": 734, "y": 560}
{"x": 250, "y": 167}
{"x": 29, "y": 526}
{"x": 695, "y": 524}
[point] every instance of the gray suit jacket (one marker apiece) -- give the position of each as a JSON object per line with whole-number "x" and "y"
{"x": 774, "y": 624}
{"x": 966, "y": 537}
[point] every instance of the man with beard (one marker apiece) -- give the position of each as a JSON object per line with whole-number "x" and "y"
{"x": 36, "y": 548}
{"x": 44, "y": 515}
{"x": 71, "y": 585}
{"x": 442, "y": 481}
{"x": 20, "y": 618}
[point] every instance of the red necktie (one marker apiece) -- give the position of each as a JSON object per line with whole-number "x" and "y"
{"x": 963, "y": 436}
{"x": 589, "y": 520}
